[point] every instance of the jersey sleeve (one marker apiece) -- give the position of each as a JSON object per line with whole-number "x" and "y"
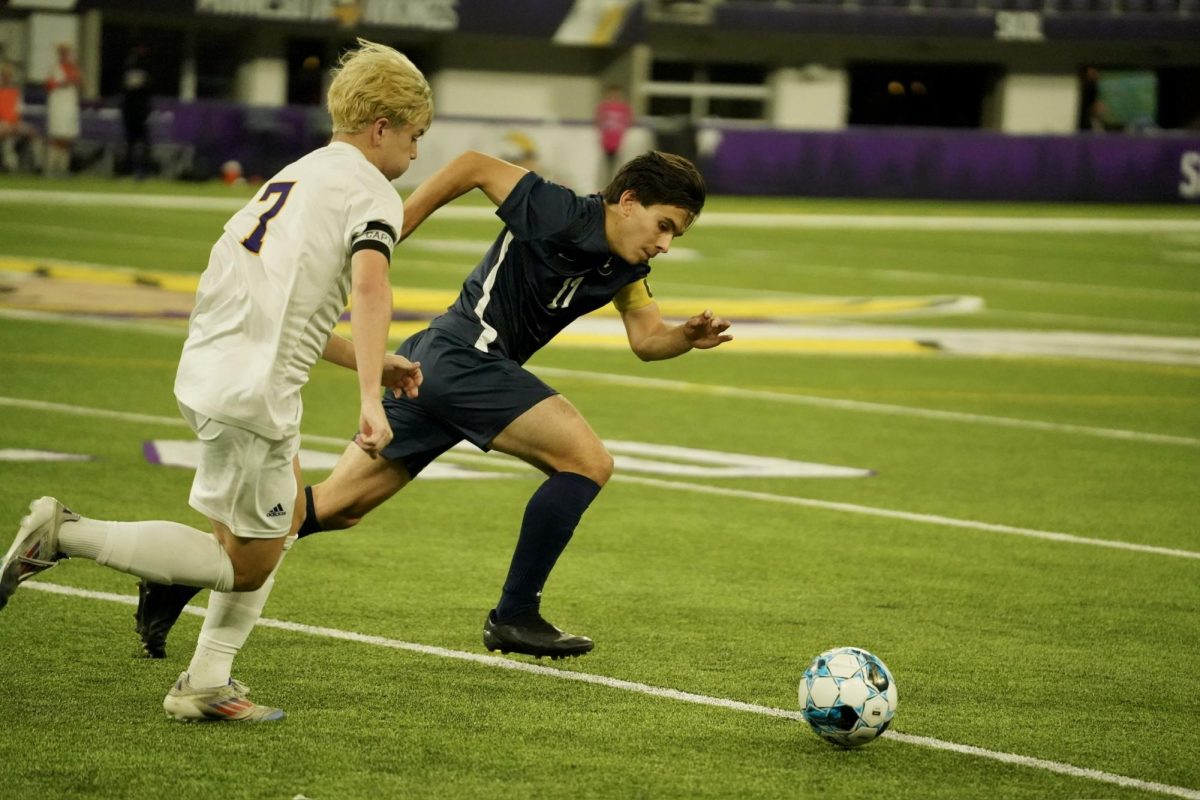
{"x": 540, "y": 209}
{"x": 375, "y": 215}
{"x": 633, "y": 296}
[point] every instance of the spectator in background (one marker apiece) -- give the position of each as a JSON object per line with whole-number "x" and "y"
{"x": 62, "y": 111}
{"x": 1093, "y": 112}
{"x": 135, "y": 110}
{"x": 613, "y": 118}
{"x": 14, "y": 131}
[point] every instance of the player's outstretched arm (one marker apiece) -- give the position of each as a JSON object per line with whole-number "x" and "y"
{"x": 370, "y": 317}
{"x": 340, "y": 351}
{"x": 402, "y": 376}
{"x": 651, "y": 339}
{"x": 471, "y": 170}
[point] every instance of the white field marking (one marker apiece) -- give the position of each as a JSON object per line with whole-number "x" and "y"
{"x": 972, "y": 342}
{"x": 176, "y": 330}
{"x": 174, "y": 422}
{"x": 74, "y": 232}
{"x": 1184, "y": 256}
{"x": 941, "y": 278}
{"x": 827, "y": 505}
{"x": 1150, "y": 327}
{"x": 40, "y": 455}
{"x": 679, "y": 462}
{"x": 861, "y": 405}
{"x": 907, "y": 516}
{"x": 716, "y": 219}
{"x": 123, "y": 200}
{"x": 186, "y": 454}
{"x": 661, "y": 692}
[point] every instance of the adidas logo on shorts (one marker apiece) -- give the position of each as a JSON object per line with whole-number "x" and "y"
{"x": 277, "y": 511}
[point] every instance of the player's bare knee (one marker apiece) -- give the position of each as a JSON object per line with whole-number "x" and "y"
{"x": 342, "y": 520}
{"x": 599, "y": 466}
{"x": 250, "y": 580}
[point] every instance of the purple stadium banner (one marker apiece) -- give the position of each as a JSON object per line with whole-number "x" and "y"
{"x": 1162, "y": 167}
{"x": 892, "y": 19}
{"x": 960, "y": 165}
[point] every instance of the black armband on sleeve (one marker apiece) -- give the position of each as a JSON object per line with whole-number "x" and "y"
{"x": 376, "y": 235}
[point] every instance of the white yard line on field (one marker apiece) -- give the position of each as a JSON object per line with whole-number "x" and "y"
{"x": 861, "y": 405}
{"x": 941, "y": 279}
{"x": 718, "y": 219}
{"x": 907, "y": 516}
{"x": 850, "y": 508}
{"x": 661, "y": 692}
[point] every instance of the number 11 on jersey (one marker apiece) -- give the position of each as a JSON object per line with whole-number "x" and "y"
{"x": 568, "y": 288}
{"x": 254, "y": 241}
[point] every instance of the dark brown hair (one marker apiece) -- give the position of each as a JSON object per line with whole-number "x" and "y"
{"x": 660, "y": 179}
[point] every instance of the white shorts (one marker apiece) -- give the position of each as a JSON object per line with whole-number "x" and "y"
{"x": 244, "y": 480}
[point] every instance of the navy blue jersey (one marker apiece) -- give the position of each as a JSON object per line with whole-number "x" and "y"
{"x": 549, "y": 266}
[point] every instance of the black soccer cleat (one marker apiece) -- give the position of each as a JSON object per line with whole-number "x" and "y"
{"x": 531, "y": 635}
{"x": 159, "y": 605}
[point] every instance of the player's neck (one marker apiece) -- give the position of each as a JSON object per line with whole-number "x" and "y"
{"x": 361, "y": 141}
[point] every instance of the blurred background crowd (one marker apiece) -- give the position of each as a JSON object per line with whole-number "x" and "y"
{"x": 961, "y": 99}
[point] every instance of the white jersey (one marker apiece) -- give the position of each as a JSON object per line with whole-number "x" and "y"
{"x": 62, "y": 106}
{"x": 276, "y": 283}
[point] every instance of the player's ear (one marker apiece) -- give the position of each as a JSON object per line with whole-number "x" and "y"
{"x": 378, "y": 127}
{"x": 628, "y": 199}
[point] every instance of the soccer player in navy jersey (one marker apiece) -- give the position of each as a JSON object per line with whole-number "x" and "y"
{"x": 559, "y": 256}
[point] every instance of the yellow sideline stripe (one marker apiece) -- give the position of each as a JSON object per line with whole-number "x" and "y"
{"x": 434, "y": 300}
{"x": 112, "y": 276}
{"x": 882, "y": 346}
{"x": 402, "y": 330}
{"x": 437, "y": 300}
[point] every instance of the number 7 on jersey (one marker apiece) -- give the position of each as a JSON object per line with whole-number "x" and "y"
{"x": 254, "y": 241}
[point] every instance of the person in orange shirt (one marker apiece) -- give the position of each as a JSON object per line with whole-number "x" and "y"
{"x": 62, "y": 111}
{"x": 14, "y": 130}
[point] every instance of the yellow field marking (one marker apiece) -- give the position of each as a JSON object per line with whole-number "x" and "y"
{"x": 781, "y": 345}
{"x": 431, "y": 302}
{"x": 112, "y": 276}
{"x": 437, "y": 300}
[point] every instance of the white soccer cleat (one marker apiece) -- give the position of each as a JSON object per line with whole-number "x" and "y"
{"x": 228, "y": 703}
{"x": 36, "y": 547}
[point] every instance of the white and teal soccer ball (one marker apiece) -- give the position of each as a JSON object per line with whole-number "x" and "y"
{"x": 848, "y": 696}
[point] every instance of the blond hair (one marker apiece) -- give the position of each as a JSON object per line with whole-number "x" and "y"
{"x": 376, "y": 81}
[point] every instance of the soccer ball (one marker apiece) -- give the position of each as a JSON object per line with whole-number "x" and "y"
{"x": 848, "y": 696}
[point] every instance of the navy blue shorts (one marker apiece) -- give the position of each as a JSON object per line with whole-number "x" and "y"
{"x": 466, "y": 394}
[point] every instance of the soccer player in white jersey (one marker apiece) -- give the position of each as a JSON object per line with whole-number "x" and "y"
{"x": 277, "y": 281}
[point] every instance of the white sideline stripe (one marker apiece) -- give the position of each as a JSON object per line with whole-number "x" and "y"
{"x": 908, "y": 516}
{"x": 862, "y": 405}
{"x": 653, "y": 691}
{"x": 489, "y": 334}
{"x": 828, "y": 505}
{"x": 720, "y": 219}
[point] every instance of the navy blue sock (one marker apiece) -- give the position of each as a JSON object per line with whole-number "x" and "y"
{"x": 550, "y": 519}
{"x": 311, "y": 524}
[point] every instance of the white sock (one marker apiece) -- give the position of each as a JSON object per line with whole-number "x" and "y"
{"x": 230, "y": 618}
{"x": 163, "y": 552}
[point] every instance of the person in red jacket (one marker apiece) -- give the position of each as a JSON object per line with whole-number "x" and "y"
{"x": 613, "y": 118}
